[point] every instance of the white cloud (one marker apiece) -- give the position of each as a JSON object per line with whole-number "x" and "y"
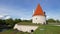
{"x": 4, "y": 16}
{"x": 16, "y": 13}
{"x": 1, "y": 16}
{"x": 7, "y": 17}
{"x": 26, "y": 18}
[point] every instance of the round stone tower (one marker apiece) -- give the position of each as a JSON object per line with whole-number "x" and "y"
{"x": 39, "y": 16}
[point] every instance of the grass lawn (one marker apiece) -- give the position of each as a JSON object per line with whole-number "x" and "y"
{"x": 13, "y": 32}
{"x": 42, "y": 29}
{"x": 27, "y": 23}
{"x": 47, "y": 29}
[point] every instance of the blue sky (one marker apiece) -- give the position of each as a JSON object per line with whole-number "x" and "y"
{"x": 24, "y": 8}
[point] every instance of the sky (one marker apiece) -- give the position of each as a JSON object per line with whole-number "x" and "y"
{"x": 23, "y": 9}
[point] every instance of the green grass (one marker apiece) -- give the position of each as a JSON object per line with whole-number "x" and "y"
{"x": 48, "y": 30}
{"x": 13, "y": 32}
{"x": 27, "y": 23}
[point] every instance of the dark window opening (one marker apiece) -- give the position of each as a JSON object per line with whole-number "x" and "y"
{"x": 32, "y": 30}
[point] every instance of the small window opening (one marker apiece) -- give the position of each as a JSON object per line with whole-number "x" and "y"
{"x": 36, "y": 18}
{"x": 32, "y": 30}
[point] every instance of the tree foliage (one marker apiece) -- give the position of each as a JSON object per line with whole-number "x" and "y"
{"x": 12, "y": 22}
{"x": 53, "y": 21}
{"x": 17, "y": 20}
{"x": 9, "y": 22}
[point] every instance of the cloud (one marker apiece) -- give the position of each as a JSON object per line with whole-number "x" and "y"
{"x": 7, "y": 17}
{"x": 1, "y": 16}
{"x": 26, "y": 18}
{"x": 16, "y": 13}
{"x": 4, "y": 16}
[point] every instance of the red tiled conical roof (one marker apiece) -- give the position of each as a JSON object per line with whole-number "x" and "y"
{"x": 38, "y": 11}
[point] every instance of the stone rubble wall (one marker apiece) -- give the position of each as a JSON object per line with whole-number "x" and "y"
{"x": 25, "y": 28}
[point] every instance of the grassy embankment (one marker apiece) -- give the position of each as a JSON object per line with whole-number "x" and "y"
{"x": 42, "y": 29}
{"x": 48, "y": 29}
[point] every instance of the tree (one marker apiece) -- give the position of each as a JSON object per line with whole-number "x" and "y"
{"x": 17, "y": 21}
{"x": 51, "y": 20}
{"x": 2, "y": 22}
{"x": 57, "y": 21}
{"x": 9, "y": 21}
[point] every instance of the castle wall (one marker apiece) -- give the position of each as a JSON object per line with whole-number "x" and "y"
{"x": 25, "y": 28}
{"x": 39, "y": 19}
